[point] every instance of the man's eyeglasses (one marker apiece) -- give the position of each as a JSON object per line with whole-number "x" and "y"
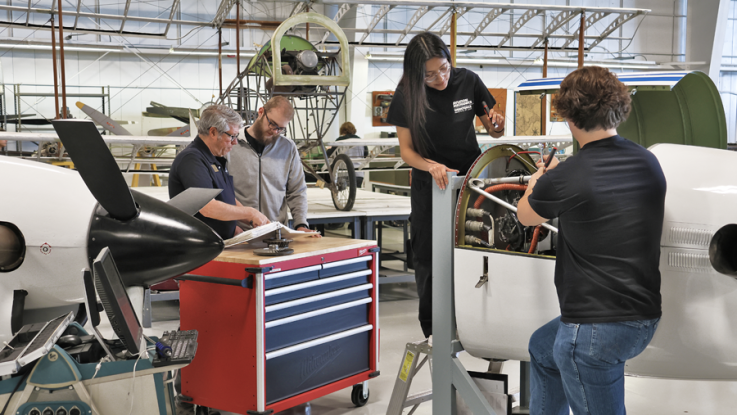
{"x": 274, "y": 126}
{"x": 233, "y": 138}
{"x": 443, "y": 71}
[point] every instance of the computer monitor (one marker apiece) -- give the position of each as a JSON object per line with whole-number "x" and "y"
{"x": 115, "y": 301}
{"x": 90, "y": 300}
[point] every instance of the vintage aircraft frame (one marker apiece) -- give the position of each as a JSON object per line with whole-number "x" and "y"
{"x": 315, "y": 98}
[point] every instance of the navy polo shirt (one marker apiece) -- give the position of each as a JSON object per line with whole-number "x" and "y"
{"x": 195, "y": 166}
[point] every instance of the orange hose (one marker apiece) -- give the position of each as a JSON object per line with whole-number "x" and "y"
{"x": 535, "y": 237}
{"x": 499, "y": 188}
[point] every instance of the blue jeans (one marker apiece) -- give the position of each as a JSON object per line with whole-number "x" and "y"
{"x": 582, "y": 365}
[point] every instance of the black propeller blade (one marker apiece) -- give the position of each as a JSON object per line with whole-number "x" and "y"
{"x": 97, "y": 167}
{"x": 193, "y": 199}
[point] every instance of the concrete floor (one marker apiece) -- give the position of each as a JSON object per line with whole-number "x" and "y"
{"x": 398, "y": 324}
{"x": 398, "y": 311}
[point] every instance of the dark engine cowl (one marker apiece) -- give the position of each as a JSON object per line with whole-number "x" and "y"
{"x": 159, "y": 243}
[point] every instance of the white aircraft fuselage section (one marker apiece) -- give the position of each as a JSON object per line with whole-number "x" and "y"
{"x": 697, "y": 333}
{"x": 53, "y": 216}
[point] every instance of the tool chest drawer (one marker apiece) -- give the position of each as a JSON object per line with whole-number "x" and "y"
{"x": 316, "y": 302}
{"x": 345, "y": 266}
{"x": 295, "y": 276}
{"x": 314, "y": 324}
{"x": 320, "y": 286}
{"x": 298, "y": 369}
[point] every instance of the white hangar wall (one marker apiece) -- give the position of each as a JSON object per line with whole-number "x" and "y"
{"x": 191, "y": 80}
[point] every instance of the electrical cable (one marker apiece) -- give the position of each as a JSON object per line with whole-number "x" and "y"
{"x": 633, "y": 36}
{"x": 535, "y": 237}
{"x": 133, "y": 380}
{"x": 186, "y": 34}
{"x": 28, "y": 372}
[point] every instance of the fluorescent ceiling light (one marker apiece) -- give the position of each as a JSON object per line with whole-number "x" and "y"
{"x": 48, "y": 47}
{"x": 205, "y": 53}
{"x": 158, "y": 51}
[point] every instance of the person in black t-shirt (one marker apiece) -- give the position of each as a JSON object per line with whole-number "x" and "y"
{"x": 434, "y": 108}
{"x": 609, "y": 199}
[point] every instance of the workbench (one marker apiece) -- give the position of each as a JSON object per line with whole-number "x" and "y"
{"x": 290, "y": 329}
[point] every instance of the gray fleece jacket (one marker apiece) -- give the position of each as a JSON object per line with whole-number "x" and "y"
{"x": 270, "y": 182}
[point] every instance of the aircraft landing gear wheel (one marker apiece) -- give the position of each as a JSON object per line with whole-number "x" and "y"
{"x": 344, "y": 186}
{"x": 358, "y": 397}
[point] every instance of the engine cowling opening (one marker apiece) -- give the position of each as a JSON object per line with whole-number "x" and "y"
{"x": 482, "y": 223}
{"x": 723, "y": 250}
{"x": 12, "y": 247}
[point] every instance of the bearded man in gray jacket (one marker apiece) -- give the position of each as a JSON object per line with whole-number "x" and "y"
{"x": 266, "y": 168}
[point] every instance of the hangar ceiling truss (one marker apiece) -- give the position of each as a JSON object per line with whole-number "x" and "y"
{"x": 501, "y": 26}
{"x": 90, "y": 17}
{"x": 518, "y": 26}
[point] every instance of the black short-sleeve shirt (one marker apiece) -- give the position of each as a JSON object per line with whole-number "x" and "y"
{"x": 609, "y": 199}
{"x": 196, "y": 166}
{"x": 450, "y": 120}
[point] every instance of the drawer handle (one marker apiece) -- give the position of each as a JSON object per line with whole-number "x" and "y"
{"x": 347, "y": 262}
{"x": 317, "y": 342}
{"x": 292, "y": 272}
{"x": 314, "y": 298}
{"x": 319, "y": 312}
{"x": 315, "y": 283}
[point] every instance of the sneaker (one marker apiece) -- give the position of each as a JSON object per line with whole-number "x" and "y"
{"x": 429, "y": 341}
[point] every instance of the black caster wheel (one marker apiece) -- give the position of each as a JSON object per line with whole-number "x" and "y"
{"x": 203, "y": 410}
{"x": 357, "y": 396}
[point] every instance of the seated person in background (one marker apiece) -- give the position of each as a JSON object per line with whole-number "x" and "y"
{"x": 203, "y": 164}
{"x": 267, "y": 170}
{"x": 3, "y": 144}
{"x": 348, "y": 130}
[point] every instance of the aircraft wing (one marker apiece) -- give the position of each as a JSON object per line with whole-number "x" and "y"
{"x": 555, "y": 139}
{"x": 109, "y": 139}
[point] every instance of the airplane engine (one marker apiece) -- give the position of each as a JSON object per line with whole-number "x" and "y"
{"x": 504, "y": 272}
{"x": 55, "y": 221}
{"x": 63, "y": 227}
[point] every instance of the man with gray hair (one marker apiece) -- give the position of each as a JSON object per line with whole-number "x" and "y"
{"x": 203, "y": 164}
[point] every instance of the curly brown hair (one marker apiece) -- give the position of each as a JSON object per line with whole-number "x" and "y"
{"x": 592, "y": 97}
{"x": 347, "y": 128}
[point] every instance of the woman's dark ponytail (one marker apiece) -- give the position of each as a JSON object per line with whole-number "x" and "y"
{"x": 420, "y": 49}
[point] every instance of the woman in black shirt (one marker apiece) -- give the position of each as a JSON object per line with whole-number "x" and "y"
{"x": 434, "y": 109}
